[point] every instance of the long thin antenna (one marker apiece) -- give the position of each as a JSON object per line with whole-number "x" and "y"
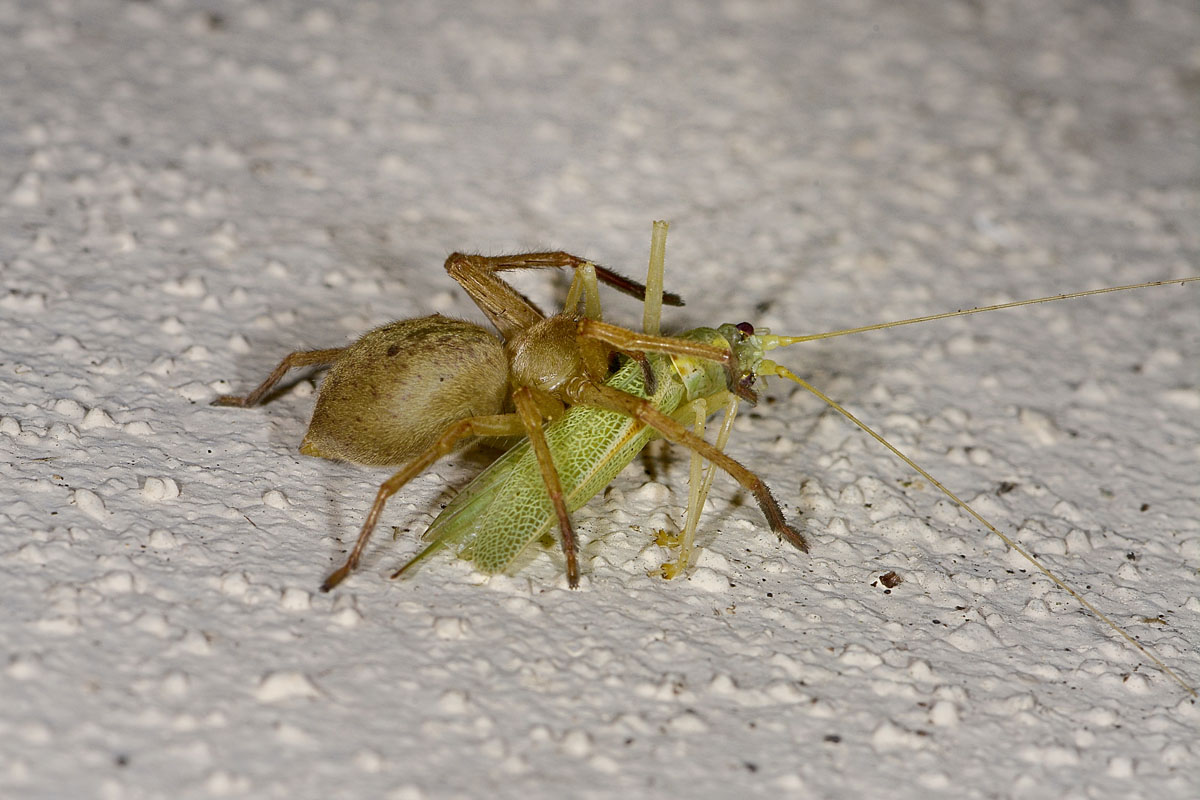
{"x": 771, "y": 368}
{"x": 786, "y": 340}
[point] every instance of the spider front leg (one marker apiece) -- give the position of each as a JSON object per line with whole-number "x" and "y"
{"x": 508, "y": 309}
{"x": 590, "y": 393}
{"x": 526, "y": 400}
{"x": 628, "y": 341}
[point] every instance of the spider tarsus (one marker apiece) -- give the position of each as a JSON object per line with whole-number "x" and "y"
{"x": 235, "y": 401}
{"x": 795, "y": 538}
{"x": 336, "y": 577}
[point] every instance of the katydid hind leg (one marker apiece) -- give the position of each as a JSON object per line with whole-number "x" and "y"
{"x": 699, "y": 482}
{"x": 652, "y": 308}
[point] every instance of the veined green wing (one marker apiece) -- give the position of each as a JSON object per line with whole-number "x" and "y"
{"x": 507, "y": 507}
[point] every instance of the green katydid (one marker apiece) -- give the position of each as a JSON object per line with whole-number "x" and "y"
{"x": 599, "y": 421}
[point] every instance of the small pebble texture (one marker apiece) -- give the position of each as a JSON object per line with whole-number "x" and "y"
{"x": 188, "y": 191}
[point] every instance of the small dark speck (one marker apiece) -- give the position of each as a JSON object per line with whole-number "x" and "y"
{"x": 1144, "y": 507}
{"x": 393, "y": 351}
{"x": 1131, "y": 556}
{"x": 770, "y": 594}
{"x": 937, "y": 622}
{"x": 751, "y": 766}
{"x": 121, "y": 760}
{"x": 890, "y": 579}
{"x": 833, "y": 738}
{"x": 1006, "y": 487}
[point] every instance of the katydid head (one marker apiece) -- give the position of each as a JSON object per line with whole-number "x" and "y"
{"x": 741, "y": 360}
{"x": 749, "y": 347}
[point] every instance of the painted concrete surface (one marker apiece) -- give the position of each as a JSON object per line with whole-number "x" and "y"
{"x": 189, "y": 191}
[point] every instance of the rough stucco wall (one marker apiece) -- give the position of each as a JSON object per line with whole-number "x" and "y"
{"x": 191, "y": 191}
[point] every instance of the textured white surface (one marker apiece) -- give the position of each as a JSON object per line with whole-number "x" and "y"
{"x": 188, "y": 194}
